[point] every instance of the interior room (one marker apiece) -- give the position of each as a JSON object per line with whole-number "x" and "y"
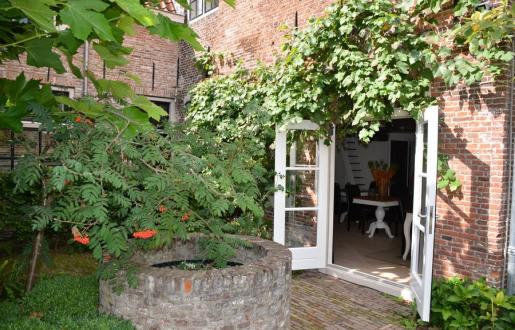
{"x": 374, "y": 182}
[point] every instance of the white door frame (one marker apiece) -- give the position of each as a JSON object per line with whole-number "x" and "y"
{"x": 424, "y": 215}
{"x": 302, "y": 257}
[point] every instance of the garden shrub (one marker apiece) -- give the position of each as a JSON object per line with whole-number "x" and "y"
{"x": 11, "y": 284}
{"x": 463, "y": 304}
{"x": 14, "y": 208}
{"x": 60, "y": 302}
{"x": 113, "y": 184}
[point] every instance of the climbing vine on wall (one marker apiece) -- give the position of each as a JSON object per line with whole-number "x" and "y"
{"x": 362, "y": 60}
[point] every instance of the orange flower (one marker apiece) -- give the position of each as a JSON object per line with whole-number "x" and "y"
{"x": 144, "y": 234}
{"x": 78, "y": 119}
{"x": 162, "y": 208}
{"x": 185, "y": 217}
{"x": 84, "y": 240}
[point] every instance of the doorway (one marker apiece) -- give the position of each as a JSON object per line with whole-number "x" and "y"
{"x": 304, "y": 203}
{"x": 354, "y": 247}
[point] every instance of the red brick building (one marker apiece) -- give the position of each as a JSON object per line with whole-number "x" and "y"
{"x": 475, "y": 128}
{"x": 153, "y": 59}
{"x": 475, "y": 131}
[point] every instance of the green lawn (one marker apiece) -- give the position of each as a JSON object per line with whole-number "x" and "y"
{"x": 64, "y": 297}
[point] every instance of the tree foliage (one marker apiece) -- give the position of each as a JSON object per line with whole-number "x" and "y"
{"x": 110, "y": 185}
{"x": 50, "y": 33}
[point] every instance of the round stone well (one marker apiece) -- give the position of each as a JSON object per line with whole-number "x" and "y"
{"x": 255, "y": 294}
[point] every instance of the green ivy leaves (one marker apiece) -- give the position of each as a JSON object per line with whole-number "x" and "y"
{"x": 447, "y": 179}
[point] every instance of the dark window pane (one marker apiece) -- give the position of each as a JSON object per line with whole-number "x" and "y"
{"x": 62, "y": 93}
{"x": 196, "y": 8}
{"x": 166, "y": 107}
{"x": 210, "y": 4}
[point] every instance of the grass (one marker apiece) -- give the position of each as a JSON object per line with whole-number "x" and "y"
{"x": 65, "y": 297}
{"x": 75, "y": 264}
{"x": 59, "y": 302}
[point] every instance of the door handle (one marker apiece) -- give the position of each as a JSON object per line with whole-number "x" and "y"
{"x": 422, "y": 215}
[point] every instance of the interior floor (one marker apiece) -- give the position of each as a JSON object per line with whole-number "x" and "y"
{"x": 379, "y": 255}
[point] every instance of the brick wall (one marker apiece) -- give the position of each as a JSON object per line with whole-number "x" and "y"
{"x": 470, "y": 231}
{"x": 474, "y": 132}
{"x": 253, "y": 30}
{"x": 188, "y": 75}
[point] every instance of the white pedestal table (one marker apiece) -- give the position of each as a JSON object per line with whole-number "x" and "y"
{"x": 380, "y": 203}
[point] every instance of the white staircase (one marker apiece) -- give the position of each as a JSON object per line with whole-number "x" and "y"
{"x": 353, "y": 164}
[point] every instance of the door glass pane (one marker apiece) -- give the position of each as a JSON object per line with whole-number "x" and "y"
{"x": 423, "y": 200}
{"x": 301, "y": 188}
{"x": 301, "y": 148}
{"x": 424, "y": 158}
{"x": 420, "y": 259}
{"x": 301, "y": 228}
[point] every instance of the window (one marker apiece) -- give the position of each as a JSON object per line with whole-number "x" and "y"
{"x": 196, "y": 8}
{"x": 200, "y": 7}
{"x": 63, "y": 91}
{"x": 167, "y": 105}
{"x": 210, "y": 4}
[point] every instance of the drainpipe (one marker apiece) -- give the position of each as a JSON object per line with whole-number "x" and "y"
{"x": 509, "y": 251}
{"x": 86, "y": 62}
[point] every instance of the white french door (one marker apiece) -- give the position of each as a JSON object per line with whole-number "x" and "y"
{"x": 424, "y": 211}
{"x": 301, "y": 203}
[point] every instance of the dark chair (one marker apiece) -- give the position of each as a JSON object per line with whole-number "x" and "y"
{"x": 396, "y": 215}
{"x": 339, "y": 205}
{"x": 356, "y": 212}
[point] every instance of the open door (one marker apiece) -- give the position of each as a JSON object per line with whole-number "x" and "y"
{"x": 301, "y": 202}
{"x": 424, "y": 210}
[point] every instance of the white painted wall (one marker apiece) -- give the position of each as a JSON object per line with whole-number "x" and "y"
{"x": 373, "y": 151}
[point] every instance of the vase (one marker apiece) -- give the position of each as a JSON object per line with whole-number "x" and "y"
{"x": 382, "y": 187}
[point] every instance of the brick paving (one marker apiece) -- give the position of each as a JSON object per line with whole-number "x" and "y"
{"x": 321, "y": 301}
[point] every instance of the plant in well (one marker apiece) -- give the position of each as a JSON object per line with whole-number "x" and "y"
{"x": 112, "y": 186}
{"x": 50, "y": 34}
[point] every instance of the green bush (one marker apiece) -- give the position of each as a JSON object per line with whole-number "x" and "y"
{"x": 11, "y": 283}
{"x": 60, "y": 302}
{"x": 463, "y": 304}
{"x": 15, "y": 208}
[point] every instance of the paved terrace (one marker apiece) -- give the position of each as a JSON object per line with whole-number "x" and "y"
{"x": 320, "y": 301}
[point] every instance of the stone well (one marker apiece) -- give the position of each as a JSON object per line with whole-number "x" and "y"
{"x": 254, "y": 295}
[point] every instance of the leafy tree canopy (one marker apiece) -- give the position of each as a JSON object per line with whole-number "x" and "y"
{"x": 50, "y": 33}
